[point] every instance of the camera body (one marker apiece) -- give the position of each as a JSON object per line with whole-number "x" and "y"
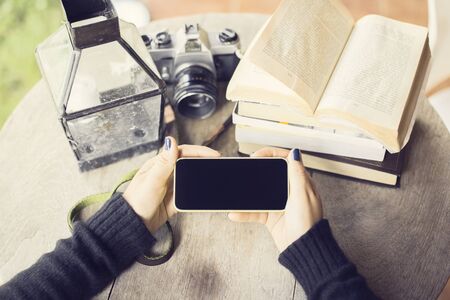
{"x": 193, "y": 61}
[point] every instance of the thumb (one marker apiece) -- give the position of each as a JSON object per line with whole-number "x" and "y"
{"x": 165, "y": 161}
{"x": 297, "y": 174}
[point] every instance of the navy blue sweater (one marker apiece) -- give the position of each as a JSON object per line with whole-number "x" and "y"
{"x": 109, "y": 243}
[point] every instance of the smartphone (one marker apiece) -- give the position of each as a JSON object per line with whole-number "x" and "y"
{"x": 231, "y": 184}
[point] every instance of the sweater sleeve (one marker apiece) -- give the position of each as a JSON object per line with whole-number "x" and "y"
{"x": 320, "y": 266}
{"x": 82, "y": 265}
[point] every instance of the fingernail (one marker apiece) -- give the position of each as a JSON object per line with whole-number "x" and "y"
{"x": 296, "y": 155}
{"x": 167, "y": 143}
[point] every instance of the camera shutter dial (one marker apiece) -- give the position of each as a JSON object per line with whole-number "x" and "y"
{"x": 147, "y": 40}
{"x": 163, "y": 38}
{"x": 228, "y": 36}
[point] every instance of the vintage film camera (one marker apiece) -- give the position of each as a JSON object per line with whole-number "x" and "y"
{"x": 193, "y": 61}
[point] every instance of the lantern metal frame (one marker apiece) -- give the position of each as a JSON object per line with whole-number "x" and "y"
{"x": 92, "y": 34}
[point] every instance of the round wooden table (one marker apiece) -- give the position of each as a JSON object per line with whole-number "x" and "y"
{"x": 398, "y": 238}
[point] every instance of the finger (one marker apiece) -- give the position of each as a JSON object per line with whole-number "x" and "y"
{"x": 169, "y": 203}
{"x": 146, "y": 166}
{"x": 164, "y": 162}
{"x": 271, "y": 152}
{"x": 297, "y": 174}
{"x": 248, "y": 217}
{"x": 197, "y": 151}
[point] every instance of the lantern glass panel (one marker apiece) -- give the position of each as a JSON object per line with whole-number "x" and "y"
{"x": 107, "y": 73}
{"x": 55, "y": 57}
{"x": 116, "y": 130}
{"x": 132, "y": 37}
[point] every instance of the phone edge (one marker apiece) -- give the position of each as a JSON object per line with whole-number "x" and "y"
{"x": 226, "y": 210}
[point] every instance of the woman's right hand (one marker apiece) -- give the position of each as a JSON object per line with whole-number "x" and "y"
{"x": 303, "y": 208}
{"x": 150, "y": 193}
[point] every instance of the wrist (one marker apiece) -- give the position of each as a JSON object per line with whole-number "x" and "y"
{"x": 121, "y": 229}
{"x": 152, "y": 220}
{"x": 314, "y": 256}
{"x": 295, "y": 229}
{"x": 139, "y": 212}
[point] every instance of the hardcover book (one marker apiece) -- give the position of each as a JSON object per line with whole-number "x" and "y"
{"x": 309, "y": 138}
{"x": 311, "y": 58}
{"x": 387, "y": 172}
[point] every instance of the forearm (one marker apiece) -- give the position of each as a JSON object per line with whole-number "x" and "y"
{"x": 81, "y": 266}
{"x": 321, "y": 267}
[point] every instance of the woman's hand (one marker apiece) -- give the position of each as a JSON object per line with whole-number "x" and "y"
{"x": 303, "y": 208}
{"x": 150, "y": 193}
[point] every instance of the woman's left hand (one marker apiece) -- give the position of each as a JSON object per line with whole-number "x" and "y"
{"x": 303, "y": 207}
{"x": 150, "y": 193}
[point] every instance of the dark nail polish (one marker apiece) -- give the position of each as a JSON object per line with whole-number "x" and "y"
{"x": 167, "y": 143}
{"x": 296, "y": 155}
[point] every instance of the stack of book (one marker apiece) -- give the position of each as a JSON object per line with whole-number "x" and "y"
{"x": 343, "y": 92}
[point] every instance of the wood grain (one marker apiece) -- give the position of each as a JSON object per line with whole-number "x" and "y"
{"x": 40, "y": 181}
{"x": 215, "y": 258}
{"x": 363, "y": 216}
{"x": 398, "y": 238}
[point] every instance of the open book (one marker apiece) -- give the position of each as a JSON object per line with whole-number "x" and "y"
{"x": 312, "y": 57}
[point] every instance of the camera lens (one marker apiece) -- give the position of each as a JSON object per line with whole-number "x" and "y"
{"x": 195, "y": 92}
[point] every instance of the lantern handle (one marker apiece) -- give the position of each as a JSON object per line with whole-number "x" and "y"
{"x": 85, "y": 9}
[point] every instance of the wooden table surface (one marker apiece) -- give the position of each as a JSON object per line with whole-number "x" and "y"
{"x": 398, "y": 238}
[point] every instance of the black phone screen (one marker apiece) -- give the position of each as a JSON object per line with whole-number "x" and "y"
{"x": 231, "y": 184}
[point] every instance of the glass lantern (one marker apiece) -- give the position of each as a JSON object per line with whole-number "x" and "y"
{"x": 107, "y": 90}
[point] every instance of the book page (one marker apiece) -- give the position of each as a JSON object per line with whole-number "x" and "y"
{"x": 251, "y": 83}
{"x": 302, "y": 43}
{"x": 375, "y": 73}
